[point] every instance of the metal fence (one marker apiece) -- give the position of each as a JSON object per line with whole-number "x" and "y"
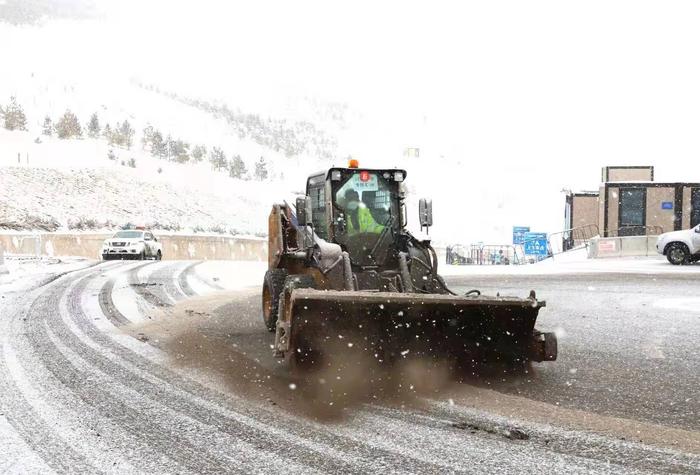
{"x": 568, "y": 239}
{"x": 496, "y": 254}
{"x": 507, "y": 254}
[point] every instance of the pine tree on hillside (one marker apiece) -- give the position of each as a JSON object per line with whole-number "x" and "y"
{"x": 94, "y": 126}
{"x": 198, "y": 152}
{"x": 126, "y": 134}
{"x": 237, "y": 167}
{"x": 14, "y": 116}
{"x": 178, "y": 151}
{"x": 217, "y": 158}
{"x": 159, "y": 148}
{"x": 169, "y": 147}
{"x": 47, "y": 128}
{"x": 108, "y": 134}
{"x": 68, "y": 126}
{"x": 261, "y": 170}
{"x": 146, "y": 140}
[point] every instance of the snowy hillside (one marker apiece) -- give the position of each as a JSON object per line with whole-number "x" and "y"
{"x": 72, "y": 184}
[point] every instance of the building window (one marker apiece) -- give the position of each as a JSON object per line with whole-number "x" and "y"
{"x": 632, "y": 220}
{"x": 694, "y": 207}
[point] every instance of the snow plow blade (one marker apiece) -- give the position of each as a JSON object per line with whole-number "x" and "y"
{"x": 389, "y": 326}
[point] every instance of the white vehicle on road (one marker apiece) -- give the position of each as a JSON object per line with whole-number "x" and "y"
{"x": 680, "y": 247}
{"x": 132, "y": 244}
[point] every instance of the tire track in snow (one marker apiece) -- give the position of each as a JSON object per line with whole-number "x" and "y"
{"x": 269, "y": 434}
{"x": 145, "y": 431}
{"x": 22, "y": 404}
{"x": 182, "y": 279}
{"x": 107, "y": 304}
{"x": 141, "y": 287}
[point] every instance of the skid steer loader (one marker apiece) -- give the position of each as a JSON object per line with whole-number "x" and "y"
{"x": 343, "y": 270}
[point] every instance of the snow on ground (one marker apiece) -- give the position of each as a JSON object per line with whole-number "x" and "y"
{"x": 29, "y": 271}
{"x": 576, "y": 262}
{"x": 232, "y": 275}
{"x": 682, "y": 304}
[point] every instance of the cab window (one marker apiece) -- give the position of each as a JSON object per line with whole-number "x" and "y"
{"x": 317, "y": 193}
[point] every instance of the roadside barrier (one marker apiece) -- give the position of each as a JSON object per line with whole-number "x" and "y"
{"x": 627, "y": 246}
{"x": 175, "y": 246}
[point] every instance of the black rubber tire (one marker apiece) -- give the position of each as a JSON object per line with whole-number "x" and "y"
{"x": 273, "y": 286}
{"x": 677, "y": 253}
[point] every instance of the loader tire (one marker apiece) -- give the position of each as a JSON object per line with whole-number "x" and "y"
{"x": 273, "y": 286}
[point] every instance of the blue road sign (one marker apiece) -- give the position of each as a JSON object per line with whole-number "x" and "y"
{"x": 519, "y": 233}
{"x": 535, "y": 244}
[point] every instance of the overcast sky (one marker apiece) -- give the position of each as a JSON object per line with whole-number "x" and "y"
{"x": 542, "y": 83}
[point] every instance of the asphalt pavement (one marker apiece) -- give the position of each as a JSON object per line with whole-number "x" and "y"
{"x": 134, "y": 368}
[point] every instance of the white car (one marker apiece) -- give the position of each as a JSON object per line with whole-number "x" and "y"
{"x": 680, "y": 247}
{"x": 132, "y": 244}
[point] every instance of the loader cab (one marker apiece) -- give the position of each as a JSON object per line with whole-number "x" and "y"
{"x": 360, "y": 209}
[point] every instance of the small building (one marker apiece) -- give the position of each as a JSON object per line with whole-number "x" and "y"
{"x": 630, "y": 203}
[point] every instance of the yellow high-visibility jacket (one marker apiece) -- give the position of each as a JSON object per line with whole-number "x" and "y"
{"x": 366, "y": 222}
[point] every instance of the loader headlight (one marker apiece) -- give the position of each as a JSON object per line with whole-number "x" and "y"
{"x": 336, "y": 175}
{"x": 398, "y": 176}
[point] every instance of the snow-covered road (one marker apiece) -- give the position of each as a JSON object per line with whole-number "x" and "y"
{"x": 165, "y": 367}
